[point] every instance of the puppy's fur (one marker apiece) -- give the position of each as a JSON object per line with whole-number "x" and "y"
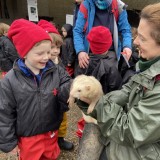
{"x": 88, "y": 89}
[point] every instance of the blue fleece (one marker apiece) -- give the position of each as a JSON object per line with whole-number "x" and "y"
{"x": 80, "y": 40}
{"x": 29, "y": 73}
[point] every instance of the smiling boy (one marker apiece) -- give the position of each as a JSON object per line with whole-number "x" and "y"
{"x": 57, "y": 41}
{"x": 32, "y": 96}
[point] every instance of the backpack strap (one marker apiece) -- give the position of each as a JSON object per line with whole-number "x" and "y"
{"x": 115, "y": 9}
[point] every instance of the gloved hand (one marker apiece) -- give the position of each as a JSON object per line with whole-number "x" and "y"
{"x": 82, "y": 105}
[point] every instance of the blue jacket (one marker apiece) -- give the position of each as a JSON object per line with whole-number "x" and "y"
{"x": 80, "y": 41}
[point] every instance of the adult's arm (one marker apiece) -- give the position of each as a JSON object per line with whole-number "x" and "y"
{"x": 78, "y": 31}
{"x": 135, "y": 127}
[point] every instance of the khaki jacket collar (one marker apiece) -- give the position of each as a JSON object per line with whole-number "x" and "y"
{"x": 147, "y": 78}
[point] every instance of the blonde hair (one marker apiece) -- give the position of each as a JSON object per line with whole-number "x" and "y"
{"x": 3, "y": 28}
{"x": 151, "y": 13}
{"x": 56, "y": 38}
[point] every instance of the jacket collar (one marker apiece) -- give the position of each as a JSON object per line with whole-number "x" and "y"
{"x": 147, "y": 78}
{"x": 19, "y": 64}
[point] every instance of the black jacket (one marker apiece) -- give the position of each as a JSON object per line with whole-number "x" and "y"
{"x": 67, "y": 50}
{"x": 102, "y": 67}
{"x": 128, "y": 72}
{"x": 8, "y": 54}
{"x": 27, "y": 109}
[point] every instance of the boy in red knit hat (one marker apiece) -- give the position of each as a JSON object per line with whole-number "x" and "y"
{"x": 33, "y": 96}
{"x": 57, "y": 40}
{"x": 55, "y": 51}
{"x": 102, "y": 64}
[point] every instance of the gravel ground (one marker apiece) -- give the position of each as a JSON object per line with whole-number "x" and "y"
{"x": 73, "y": 116}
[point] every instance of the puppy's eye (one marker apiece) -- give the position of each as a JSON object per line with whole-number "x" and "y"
{"x": 79, "y": 90}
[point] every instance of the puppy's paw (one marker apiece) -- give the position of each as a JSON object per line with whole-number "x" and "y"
{"x": 71, "y": 101}
{"x": 91, "y": 107}
{"x": 89, "y": 119}
{"x": 89, "y": 110}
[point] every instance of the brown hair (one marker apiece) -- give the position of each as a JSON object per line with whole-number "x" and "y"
{"x": 134, "y": 32}
{"x": 3, "y": 28}
{"x": 151, "y": 13}
{"x": 56, "y": 38}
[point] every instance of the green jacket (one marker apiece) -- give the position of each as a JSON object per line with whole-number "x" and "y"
{"x": 129, "y": 119}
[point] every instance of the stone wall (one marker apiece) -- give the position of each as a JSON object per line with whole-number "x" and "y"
{"x": 46, "y": 8}
{"x": 57, "y": 9}
{"x": 138, "y": 4}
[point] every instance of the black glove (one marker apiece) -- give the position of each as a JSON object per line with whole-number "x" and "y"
{"x": 82, "y": 105}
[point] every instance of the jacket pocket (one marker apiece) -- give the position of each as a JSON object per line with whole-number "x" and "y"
{"x": 149, "y": 152}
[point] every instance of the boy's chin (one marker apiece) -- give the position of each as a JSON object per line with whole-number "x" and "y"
{"x": 53, "y": 58}
{"x": 42, "y": 67}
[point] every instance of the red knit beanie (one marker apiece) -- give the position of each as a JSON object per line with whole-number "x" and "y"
{"x": 100, "y": 39}
{"x": 25, "y": 34}
{"x": 47, "y": 26}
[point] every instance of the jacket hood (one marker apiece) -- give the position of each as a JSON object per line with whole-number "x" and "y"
{"x": 68, "y": 28}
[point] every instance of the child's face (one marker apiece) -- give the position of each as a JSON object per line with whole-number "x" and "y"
{"x": 55, "y": 51}
{"x": 64, "y": 32}
{"x": 38, "y": 56}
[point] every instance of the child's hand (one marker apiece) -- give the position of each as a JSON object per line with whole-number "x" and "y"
{"x": 89, "y": 119}
{"x": 69, "y": 65}
{"x": 128, "y": 53}
{"x": 83, "y": 59}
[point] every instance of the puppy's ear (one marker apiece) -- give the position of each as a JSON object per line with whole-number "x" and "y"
{"x": 87, "y": 88}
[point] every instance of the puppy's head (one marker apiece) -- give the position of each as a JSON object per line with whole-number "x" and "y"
{"x": 80, "y": 89}
{"x": 85, "y": 86}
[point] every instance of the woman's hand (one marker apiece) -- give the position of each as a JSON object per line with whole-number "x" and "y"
{"x": 83, "y": 59}
{"x": 127, "y": 52}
